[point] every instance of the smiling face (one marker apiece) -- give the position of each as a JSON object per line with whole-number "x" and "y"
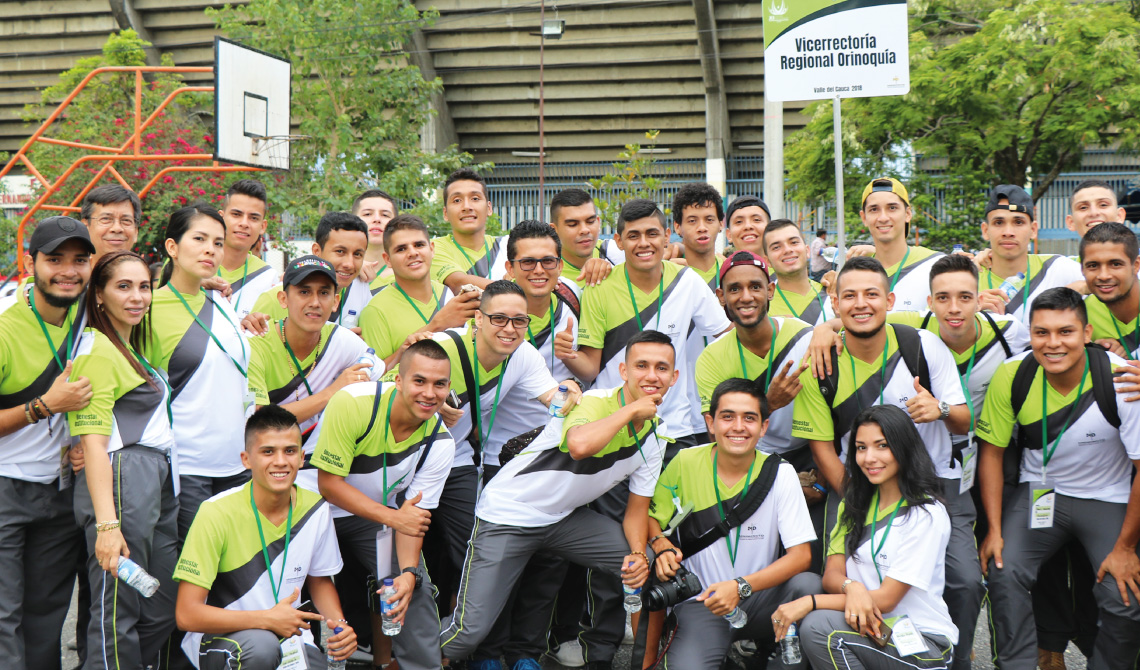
{"x": 62, "y": 275}
{"x": 745, "y": 293}
{"x": 648, "y": 368}
{"x": 409, "y": 253}
{"x": 643, "y": 242}
{"x": 699, "y": 227}
{"x": 1058, "y": 339}
{"x": 737, "y": 426}
{"x": 273, "y": 458}
{"x": 954, "y": 301}
{"x": 200, "y": 250}
{"x": 112, "y": 227}
{"x": 538, "y": 282}
{"x": 578, "y": 228}
{"x": 746, "y": 228}
{"x": 466, "y": 207}
{"x": 245, "y": 221}
{"x": 310, "y": 303}
{"x": 501, "y": 340}
{"x": 126, "y": 296}
{"x": 873, "y": 456}
{"x": 376, "y": 213}
{"x": 1092, "y": 206}
{"x": 885, "y": 215}
{"x": 786, "y": 251}
{"x": 863, "y": 302}
{"x": 1109, "y": 272}
{"x": 1009, "y": 233}
{"x": 345, "y": 250}
{"x": 423, "y": 385}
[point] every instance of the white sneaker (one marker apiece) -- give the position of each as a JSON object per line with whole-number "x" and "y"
{"x": 569, "y": 654}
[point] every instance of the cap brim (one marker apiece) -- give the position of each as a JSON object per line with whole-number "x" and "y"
{"x": 302, "y": 275}
{"x": 51, "y": 246}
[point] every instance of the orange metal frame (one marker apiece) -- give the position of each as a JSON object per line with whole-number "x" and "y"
{"x": 130, "y": 151}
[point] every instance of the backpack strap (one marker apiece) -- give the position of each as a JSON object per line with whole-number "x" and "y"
{"x": 743, "y": 509}
{"x": 999, "y": 334}
{"x": 1104, "y": 391}
{"x": 910, "y": 348}
{"x": 1022, "y": 380}
{"x": 371, "y": 419}
{"x": 566, "y": 295}
{"x": 427, "y": 447}
{"x": 474, "y": 438}
{"x": 926, "y": 320}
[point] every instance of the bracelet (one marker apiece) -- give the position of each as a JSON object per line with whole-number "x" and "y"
{"x": 36, "y": 412}
{"x": 102, "y": 526}
{"x": 641, "y": 554}
{"x": 813, "y": 602}
{"x": 819, "y": 488}
{"x": 659, "y": 537}
{"x": 43, "y": 405}
{"x": 28, "y": 413}
{"x": 670, "y": 550}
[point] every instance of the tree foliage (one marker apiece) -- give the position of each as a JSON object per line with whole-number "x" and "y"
{"x": 632, "y": 178}
{"x": 355, "y": 96}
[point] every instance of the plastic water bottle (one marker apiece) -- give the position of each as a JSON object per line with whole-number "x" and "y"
{"x": 558, "y": 401}
{"x": 632, "y": 601}
{"x": 389, "y": 626}
{"x": 957, "y": 248}
{"x": 133, "y": 574}
{"x": 332, "y": 663}
{"x": 369, "y": 358}
{"x": 790, "y": 652}
{"x": 736, "y": 618}
{"x": 1009, "y": 286}
{"x": 350, "y": 319}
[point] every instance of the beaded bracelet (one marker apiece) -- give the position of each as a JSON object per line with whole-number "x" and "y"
{"x": 102, "y": 526}
{"x": 43, "y": 405}
{"x": 28, "y": 413}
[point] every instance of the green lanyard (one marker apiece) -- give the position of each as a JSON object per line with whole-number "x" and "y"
{"x": 276, "y": 586}
{"x": 1024, "y": 287}
{"x": 898, "y": 273}
{"x": 771, "y": 356}
{"x": 413, "y": 302}
{"x": 660, "y": 294}
{"x": 210, "y": 332}
{"x": 154, "y": 373}
{"x": 534, "y": 343}
{"x": 475, "y": 395}
{"x": 340, "y": 308}
{"x": 720, "y": 506}
{"x": 1120, "y": 336}
{"x": 636, "y": 439}
{"x": 244, "y": 271}
{"x": 969, "y": 371}
{"x": 1046, "y": 452}
{"x": 886, "y": 532}
{"x": 300, "y": 370}
{"x": 792, "y": 310}
{"x": 486, "y": 254}
{"x": 47, "y": 335}
{"x": 882, "y": 371}
{"x": 384, "y": 456}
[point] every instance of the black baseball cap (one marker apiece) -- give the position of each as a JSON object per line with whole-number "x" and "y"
{"x": 745, "y": 201}
{"x": 300, "y": 268}
{"x": 54, "y": 231}
{"x": 1017, "y": 200}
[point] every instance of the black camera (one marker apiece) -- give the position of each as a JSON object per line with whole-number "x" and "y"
{"x": 683, "y": 586}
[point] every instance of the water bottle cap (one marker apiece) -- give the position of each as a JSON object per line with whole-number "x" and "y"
{"x": 370, "y": 351}
{"x": 388, "y": 581}
{"x": 562, "y": 388}
{"x": 337, "y": 630}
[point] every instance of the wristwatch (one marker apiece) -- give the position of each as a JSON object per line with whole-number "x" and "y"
{"x": 743, "y": 588}
{"x": 415, "y": 573}
{"x": 843, "y": 588}
{"x": 943, "y": 409}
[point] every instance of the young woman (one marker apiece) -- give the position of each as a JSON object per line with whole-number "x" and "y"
{"x": 125, "y": 493}
{"x": 886, "y": 562}
{"x": 197, "y": 341}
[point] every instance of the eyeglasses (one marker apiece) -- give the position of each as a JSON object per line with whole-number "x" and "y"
{"x": 527, "y": 264}
{"x": 108, "y": 220}
{"x": 500, "y": 320}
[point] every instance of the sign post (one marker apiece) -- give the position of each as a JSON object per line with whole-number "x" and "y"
{"x": 820, "y": 49}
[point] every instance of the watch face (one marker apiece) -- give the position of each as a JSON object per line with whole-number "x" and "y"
{"x": 745, "y": 588}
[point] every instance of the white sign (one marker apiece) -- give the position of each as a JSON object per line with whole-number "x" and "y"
{"x": 817, "y": 49}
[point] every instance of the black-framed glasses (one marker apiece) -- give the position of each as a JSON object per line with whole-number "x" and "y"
{"x": 500, "y": 320}
{"x": 527, "y": 264}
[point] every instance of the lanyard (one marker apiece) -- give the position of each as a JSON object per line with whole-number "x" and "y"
{"x": 244, "y": 274}
{"x": 300, "y": 370}
{"x": 720, "y": 506}
{"x": 341, "y": 307}
{"x": 771, "y": 356}
{"x": 970, "y": 370}
{"x": 882, "y": 371}
{"x": 660, "y": 294}
{"x": 1120, "y": 336}
{"x": 276, "y": 586}
{"x": 898, "y": 273}
{"x": 792, "y": 310}
{"x": 886, "y": 532}
{"x": 636, "y": 439}
{"x": 476, "y": 395}
{"x": 47, "y": 335}
{"x": 1046, "y": 452}
{"x": 1024, "y": 287}
{"x": 211, "y": 333}
{"x": 384, "y": 456}
{"x": 486, "y": 254}
{"x": 154, "y": 373}
{"x": 553, "y": 324}
{"x": 413, "y": 302}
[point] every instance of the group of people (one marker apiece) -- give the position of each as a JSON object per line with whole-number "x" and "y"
{"x": 532, "y": 435}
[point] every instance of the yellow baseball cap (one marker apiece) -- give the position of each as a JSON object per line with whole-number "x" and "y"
{"x": 886, "y": 184}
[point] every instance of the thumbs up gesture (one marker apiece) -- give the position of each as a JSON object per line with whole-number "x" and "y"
{"x": 68, "y": 396}
{"x": 922, "y": 406}
{"x": 564, "y": 342}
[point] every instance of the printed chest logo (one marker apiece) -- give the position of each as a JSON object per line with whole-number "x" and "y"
{"x": 752, "y": 532}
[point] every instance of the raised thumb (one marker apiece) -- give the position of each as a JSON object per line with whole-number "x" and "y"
{"x": 569, "y": 325}
{"x": 292, "y": 596}
{"x": 918, "y": 385}
{"x": 414, "y": 499}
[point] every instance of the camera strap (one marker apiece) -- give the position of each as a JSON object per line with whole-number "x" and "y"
{"x": 745, "y": 508}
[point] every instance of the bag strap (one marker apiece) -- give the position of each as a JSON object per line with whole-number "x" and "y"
{"x": 743, "y": 509}
{"x": 910, "y": 348}
{"x": 474, "y": 438}
{"x": 999, "y": 335}
{"x": 427, "y": 447}
{"x": 1022, "y": 380}
{"x": 566, "y": 295}
{"x": 371, "y": 419}
{"x": 1104, "y": 391}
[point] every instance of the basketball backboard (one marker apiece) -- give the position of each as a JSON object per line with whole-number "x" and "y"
{"x": 251, "y": 106}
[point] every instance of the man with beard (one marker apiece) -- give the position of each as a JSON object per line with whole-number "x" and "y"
{"x": 1109, "y": 261}
{"x": 38, "y": 542}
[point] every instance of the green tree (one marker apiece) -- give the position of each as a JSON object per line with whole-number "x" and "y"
{"x": 356, "y": 98}
{"x": 632, "y": 178}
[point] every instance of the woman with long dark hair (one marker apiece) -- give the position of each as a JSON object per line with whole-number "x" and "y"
{"x": 124, "y": 495}
{"x": 197, "y": 341}
{"x": 886, "y": 559}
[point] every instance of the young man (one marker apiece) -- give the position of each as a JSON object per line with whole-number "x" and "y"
{"x": 341, "y": 240}
{"x": 376, "y": 208}
{"x": 537, "y": 501}
{"x": 744, "y": 223}
{"x": 418, "y": 305}
{"x": 245, "y": 213}
{"x": 383, "y": 456}
{"x": 1009, "y": 227}
{"x": 819, "y": 264}
{"x": 238, "y": 591}
{"x": 1110, "y": 260}
{"x": 587, "y": 259}
{"x": 799, "y": 296}
{"x": 750, "y": 572}
{"x": 646, "y": 293}
{"x": 467, "y": 255}
{"x": 1093, "y": 202}
{"x": 37, "y": 522}
{"x": 1080, "y": 445}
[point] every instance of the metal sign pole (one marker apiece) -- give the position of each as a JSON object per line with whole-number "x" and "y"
{"x": 841, "y": 242}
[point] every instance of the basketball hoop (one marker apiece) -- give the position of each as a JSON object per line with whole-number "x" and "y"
{"x": 252, "y": 106}
{"x": 274, "y": 148}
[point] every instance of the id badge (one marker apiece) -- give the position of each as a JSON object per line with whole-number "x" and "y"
{"x": 66, "y": 475}
{"x": 906, "y": 637}
{"x": 969, "y": 465}
{"x": 293, "y": 654}
{"x": 1042, "y": 500}
{"x": 248, "y": 399}
{"x": 384, "y": 540}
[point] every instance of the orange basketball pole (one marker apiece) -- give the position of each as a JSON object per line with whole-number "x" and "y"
{"x": 110, "y": 155}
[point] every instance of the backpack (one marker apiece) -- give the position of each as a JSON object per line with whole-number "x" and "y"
{"x": 998, "y": 334}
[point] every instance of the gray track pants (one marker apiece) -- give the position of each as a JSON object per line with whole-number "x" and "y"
{"x": 497, "y": 556}
{"x": 964, "y": 588}
{"x": 38, "y": 546}
{"x": 127, "y": 630}
{"x": 248, "y": 650}
{"x": 1096, "y": 525}
{"x": 417, "y": 645}
{"x": 196, "y": 489}
{"x": 830, "y": 644}
{"x": 703, "y": 638}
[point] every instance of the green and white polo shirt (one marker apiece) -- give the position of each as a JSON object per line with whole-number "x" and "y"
{"x": 1046, "y": 271}
{"x": 544, "y": 484}
{"x": 813, "y": 308}
{"x": 223, "y": 553}
{"x": 391, "y": 316}
{"x": 450, "y": 257}
{"x": 249, "y": 281}
{"x": 352, "y": 302}
{"x": 370, "y": 459}
{"x": 910, "y": 278}
{"x": 781, "y": 520}
{"x": 1093, "y": 460}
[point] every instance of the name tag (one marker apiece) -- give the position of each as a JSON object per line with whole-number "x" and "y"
{"x": 1042, "y": 502}
{"x": 384, "y": 541}
{"x": 293, "y": 654}
{"x": 906, "y": 637}
{"x": 969, "y": 464}
{"x": 66, "y": 476}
